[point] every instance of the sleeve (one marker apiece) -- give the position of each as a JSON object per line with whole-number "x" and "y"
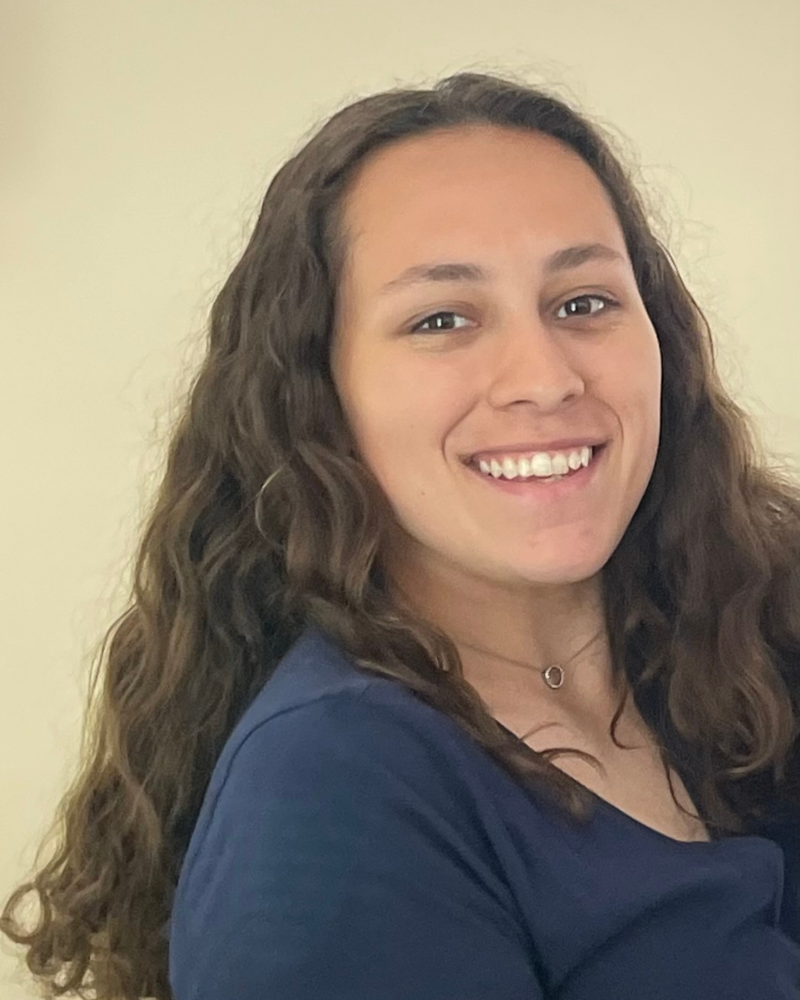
{"x": 338, "y": 863}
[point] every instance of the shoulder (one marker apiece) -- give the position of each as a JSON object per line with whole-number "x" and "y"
{"x": 379, "y": 735}
{"x": 318, "y": 708}
{"x": 341, "y": 837}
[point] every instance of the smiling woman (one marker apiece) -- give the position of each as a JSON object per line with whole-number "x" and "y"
{"x": 322, "y": 762}
{"x": 542, "y": 235}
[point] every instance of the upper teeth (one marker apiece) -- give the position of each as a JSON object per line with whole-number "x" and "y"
{"x": 540, "y": 464}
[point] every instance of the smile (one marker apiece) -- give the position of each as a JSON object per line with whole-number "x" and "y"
{"x": 551, "y": 489}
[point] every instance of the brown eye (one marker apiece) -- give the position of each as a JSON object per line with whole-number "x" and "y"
{"x": 607, "y": 304}
{"x": 435, "y": 316}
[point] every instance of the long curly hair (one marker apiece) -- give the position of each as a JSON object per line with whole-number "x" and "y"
{"x": 266, "y": 521}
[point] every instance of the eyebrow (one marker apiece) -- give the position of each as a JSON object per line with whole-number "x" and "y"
{"x": 562, "y": 260}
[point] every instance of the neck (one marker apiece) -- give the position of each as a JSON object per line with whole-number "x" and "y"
{"x": 507, "y": 637}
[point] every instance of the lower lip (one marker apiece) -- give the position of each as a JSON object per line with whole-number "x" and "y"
{"x": 538, "y": 491}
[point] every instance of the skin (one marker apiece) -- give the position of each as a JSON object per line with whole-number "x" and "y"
{"x": 520, "y": 582}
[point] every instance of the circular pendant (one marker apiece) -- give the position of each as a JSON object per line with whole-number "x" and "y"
{"x": 553, "y": 676}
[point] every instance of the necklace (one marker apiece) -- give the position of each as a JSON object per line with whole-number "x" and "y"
{"x": 553, "y": 675}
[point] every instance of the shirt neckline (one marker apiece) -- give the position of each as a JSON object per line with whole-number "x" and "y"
{"x": 631, "y": 821}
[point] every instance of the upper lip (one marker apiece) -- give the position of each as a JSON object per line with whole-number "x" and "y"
{"x": 528, "y": 447}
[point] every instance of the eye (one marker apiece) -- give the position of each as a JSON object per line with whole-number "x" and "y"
{"x": 608, "y": 303}
{"x": 417, "y": 328}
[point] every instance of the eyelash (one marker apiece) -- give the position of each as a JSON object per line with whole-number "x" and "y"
{"x": 608, "y": 303}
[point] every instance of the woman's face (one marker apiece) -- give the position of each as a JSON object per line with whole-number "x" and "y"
{"x": 510, "y": 359}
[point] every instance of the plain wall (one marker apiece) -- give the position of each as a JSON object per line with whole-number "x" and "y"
{"x": 136, "y": 141}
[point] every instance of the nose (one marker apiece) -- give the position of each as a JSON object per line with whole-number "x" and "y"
{"x": 534, "y": 364}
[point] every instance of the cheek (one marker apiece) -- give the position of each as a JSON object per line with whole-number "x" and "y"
{"x": 640, "y": 416}
{"x": 409, "y": 406}
{"x": 650, "y": 390}
{"x": 631, "y": 388}
{"x": 641, "y": 421}
{"x": 633, "y": 379}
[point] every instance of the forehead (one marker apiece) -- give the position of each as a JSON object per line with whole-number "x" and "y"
{"x": 467, "y": 190}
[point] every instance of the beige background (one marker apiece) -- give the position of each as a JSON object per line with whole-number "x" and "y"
{"x": 138, "y": 138}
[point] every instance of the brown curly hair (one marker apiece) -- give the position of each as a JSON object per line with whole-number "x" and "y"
{"x": 701, "y": 596}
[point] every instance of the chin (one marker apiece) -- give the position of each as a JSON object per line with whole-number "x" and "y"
{"x": 554, "y": 571}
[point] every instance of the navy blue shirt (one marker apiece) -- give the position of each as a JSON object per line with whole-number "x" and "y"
{"x": 355, "y": 844}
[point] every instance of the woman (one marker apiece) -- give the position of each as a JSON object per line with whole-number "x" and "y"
{"x": 457, "y": 501}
